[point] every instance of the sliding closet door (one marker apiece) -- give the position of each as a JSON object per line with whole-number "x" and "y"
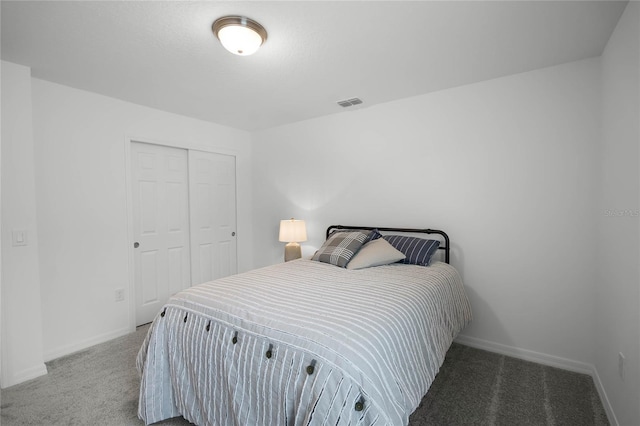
{"x": 212, "y": 180}
{"x": 160, "y": 192}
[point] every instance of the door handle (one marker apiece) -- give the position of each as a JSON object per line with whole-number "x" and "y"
{"x": 136, "y": 244}
{"x": 233, "y": 234}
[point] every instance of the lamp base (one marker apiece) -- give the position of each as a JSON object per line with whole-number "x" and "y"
{"x": 292, "y": 251}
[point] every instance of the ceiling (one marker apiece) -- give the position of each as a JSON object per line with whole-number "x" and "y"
{"x": 162, "y": 54}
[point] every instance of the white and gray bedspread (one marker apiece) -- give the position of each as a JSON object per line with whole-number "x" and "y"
{"x": 375, "y": 338}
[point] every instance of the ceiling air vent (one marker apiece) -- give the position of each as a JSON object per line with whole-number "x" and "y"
{"x": 349, "y": 102}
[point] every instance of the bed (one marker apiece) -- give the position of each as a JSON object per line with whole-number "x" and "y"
{"x": 310, "y": 341}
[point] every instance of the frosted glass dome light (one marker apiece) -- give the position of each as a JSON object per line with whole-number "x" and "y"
{"x": 239, "y": 35}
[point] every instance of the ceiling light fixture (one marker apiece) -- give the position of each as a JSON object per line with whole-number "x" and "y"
{"x": 239, "y": 34}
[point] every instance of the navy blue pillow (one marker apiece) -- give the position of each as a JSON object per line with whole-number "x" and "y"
{"x": 375, "y": 234}
{"x": 418, "y": 251}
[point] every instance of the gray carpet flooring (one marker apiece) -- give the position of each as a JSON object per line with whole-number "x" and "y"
{"x": 99, "y": 386}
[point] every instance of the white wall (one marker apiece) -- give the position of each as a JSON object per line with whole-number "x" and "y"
{"x": 617, "y": 327}
{"x": 81, "y": 140}
{"x": 21, "y": 310}
{"x": 506, "y": 167}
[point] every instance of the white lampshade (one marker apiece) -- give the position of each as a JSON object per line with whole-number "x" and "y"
{"x": 239, "y": 35}
{"x": 292, "y": 231}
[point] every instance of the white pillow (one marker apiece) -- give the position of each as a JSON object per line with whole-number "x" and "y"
{"x": 375, "y": 253}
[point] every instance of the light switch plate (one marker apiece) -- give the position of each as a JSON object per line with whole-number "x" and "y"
{"x": 19, "y": 237}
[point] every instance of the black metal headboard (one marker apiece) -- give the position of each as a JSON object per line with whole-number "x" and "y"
{"x": 444, "y": 247}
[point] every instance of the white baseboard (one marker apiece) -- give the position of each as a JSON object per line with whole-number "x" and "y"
{"x": 527, "y": 355}
{"x": 24, "y": 375}
{"x": 544, "y": 359}
{"x": 604, "y": 398}
{"x": 78, "y": 346}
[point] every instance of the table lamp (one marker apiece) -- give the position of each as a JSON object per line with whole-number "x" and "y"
{"x": 292, "y": 231}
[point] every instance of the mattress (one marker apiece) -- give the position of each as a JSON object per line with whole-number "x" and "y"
{"x": 302, "y": 343}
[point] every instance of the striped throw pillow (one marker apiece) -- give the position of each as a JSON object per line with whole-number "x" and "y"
{"x": 418, "y": 251}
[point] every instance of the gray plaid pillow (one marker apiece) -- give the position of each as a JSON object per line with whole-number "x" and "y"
{"x": 340, "y": 247}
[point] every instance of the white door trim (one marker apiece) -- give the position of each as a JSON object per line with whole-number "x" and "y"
{"x": 130, "y": 296}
